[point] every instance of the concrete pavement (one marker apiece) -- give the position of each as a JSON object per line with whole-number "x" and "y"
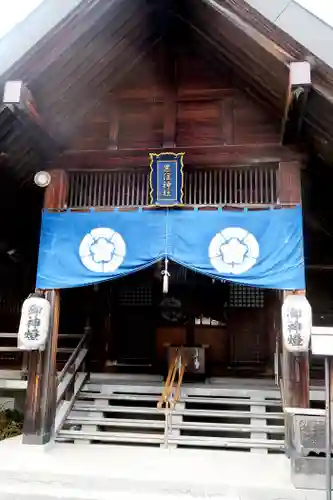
{"x": 128, "y": 473}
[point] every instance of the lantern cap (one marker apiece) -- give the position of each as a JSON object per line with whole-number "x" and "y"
{"x": 36, "y": 293}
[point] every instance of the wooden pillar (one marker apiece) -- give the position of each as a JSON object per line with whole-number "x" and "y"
{"x": 295, "y": 368}
{"x": 41, "y": 396}
{"x": 272, "y": 326}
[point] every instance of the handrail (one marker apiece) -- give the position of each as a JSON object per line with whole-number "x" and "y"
{"x": 22, "y": 356}
{"x": 71, "y": 379}
{"x": 171, "y": 394}
{"x": 279, "y": 371}
{"x": 73, "y": 356}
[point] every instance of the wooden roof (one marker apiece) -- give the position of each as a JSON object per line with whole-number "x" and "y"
{"x": 98, "y": 42}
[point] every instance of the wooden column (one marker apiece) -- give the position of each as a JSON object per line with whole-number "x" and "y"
{"x": 272, "y": 326}
{"x": 295, "y": 368}
{"x": 41, "y": 396}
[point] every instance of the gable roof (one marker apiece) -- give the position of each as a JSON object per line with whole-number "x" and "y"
{"x": 67, "y": 55}
{"x": 301, "y": 24}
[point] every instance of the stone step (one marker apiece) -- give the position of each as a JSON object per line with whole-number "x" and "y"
{"x": 80, "y": 406}
{"x": 159, "y": 424}
{"x": 198, "y": 390}
{"x": 187, "y": 399}
{"x": 216, "y": 442}
{"x": 124, "y": 411}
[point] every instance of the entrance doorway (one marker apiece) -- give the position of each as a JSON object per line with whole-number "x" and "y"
{"x": 229, "y": 330}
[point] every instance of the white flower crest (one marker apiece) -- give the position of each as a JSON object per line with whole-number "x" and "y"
{"x": 233, "y": 251}
{"x": 102, "y": 250}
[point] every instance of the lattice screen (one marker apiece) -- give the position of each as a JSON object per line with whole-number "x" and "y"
{"x": 215, "y": 187}
{"x": 244, "y": 296}
{"x": 136, "y": 296}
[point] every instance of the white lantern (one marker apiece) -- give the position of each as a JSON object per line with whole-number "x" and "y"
{"x": 34, "y": 324}
{"x": 296, "y": 323}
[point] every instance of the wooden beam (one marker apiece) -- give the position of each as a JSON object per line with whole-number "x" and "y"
{"x": 186, "y": 94}
{"x": 289, "y": 182}
{"x": 266, "y": 45}
{"x": 56, "y": 192}
{"x": 17, "y": 95}
{"x": 253, "y": 57}
{"x": 41, "y": 396}
{"x": 209, "y": 156}
{"x": 170, "y": 92}
{"x": 299, "y": 85}
{"x": 114, "y": 123}
{"x": 27, "y": 121}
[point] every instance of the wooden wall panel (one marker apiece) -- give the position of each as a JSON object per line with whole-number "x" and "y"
{"x": 94, "y": 132}
{"x": 198, "y": 123}
{"x": 196, "y": 80}
{"x": 211, "y": 110}
{"x": 252, "y": 123}
{"x": 140, "y": 125}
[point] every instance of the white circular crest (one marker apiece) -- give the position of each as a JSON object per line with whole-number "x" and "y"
{"x": 233, "y": 251}
{"x": 102, "y": 250}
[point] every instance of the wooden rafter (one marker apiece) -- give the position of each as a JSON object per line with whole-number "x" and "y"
{"x": 298, "y": 89}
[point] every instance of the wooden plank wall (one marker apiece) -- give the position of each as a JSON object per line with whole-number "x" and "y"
{"x": 211, "y": 110}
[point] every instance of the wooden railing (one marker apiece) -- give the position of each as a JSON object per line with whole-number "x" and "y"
{"x": 72, "y": 378}
{"x": 14, "y": 361}
{"x": 241, "y": 186}
{"x": 172, "y": 387}
{"x": 172, "y": 391}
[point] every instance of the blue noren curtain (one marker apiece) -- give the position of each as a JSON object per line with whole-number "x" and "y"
{"x": 257, "y": 248}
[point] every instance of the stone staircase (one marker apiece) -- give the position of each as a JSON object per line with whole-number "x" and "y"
{"x": 225, "y": 414}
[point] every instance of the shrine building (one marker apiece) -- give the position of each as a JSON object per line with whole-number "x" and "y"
{"x": 165, "y": 186}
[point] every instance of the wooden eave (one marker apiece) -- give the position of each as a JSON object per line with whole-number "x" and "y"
{"x": 99, "y": 42}
{"x": 317, "y": 129}
{"x": 24, "y": 146}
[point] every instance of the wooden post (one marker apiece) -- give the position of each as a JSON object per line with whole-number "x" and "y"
{"x": 272, "y": 323}
{"x": 41, "y": 396}
{"x": 295, "y": 368}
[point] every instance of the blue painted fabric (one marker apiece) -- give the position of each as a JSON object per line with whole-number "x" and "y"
{"x": 90, "y": 247}
{"x": 256, "y": 248}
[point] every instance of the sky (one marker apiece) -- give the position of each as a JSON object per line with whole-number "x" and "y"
{"x": 14, "y": 11}
{"x": 321, "y": 8}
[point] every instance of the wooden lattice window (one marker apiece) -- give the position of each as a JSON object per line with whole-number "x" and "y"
{"x": 244, "y": 296}
{"x": 136, "y": 297}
